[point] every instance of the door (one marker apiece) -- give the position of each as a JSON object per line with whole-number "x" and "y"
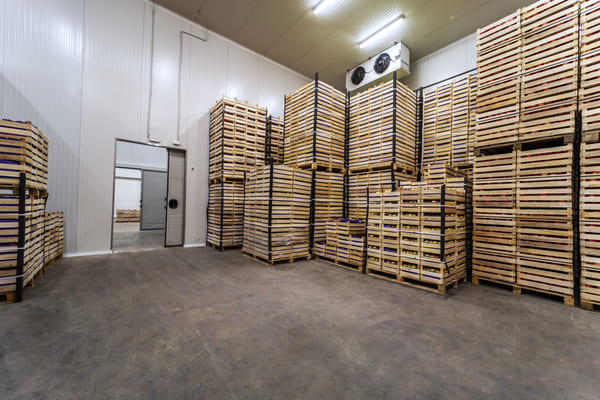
{"x": 176, "y": 199}
{"x": 154, "y": 194}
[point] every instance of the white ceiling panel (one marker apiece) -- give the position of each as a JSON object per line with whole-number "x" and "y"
{"x": 288, "y": 31}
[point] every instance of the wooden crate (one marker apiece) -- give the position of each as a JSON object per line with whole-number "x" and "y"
{"x": 315, "y": 127}
{"x": 23, "y": 148}
{"x": 277, "y": 214}
{"x": 34, "y": 240}
{"x": 327, "y": 200}
{"x": 226, "y": 214}
{"x": 447, "y": 128}
{"x": 237, "y": 139}
{"x": 382, "y": 128}
{"x": 275, "y": 132}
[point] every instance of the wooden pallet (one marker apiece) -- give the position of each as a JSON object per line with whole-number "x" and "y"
{"x": 430, "y": 287}
{"x": 339, "y": 263}
{"x": 271, "y": 263}
{"x": 568, "y": 300}
{"x": 228, "y": 247}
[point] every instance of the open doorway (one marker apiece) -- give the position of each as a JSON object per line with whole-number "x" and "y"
{"x": 148, "y": 199}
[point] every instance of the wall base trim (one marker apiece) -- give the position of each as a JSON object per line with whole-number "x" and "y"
{"x": 192, "y": 245}
{"x": 87, "y": 253}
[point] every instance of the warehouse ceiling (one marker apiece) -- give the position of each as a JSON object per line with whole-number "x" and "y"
{"x": 288, "y": 31}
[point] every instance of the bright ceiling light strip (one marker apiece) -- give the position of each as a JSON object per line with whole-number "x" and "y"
{"x": 382, "y": 31}
{"x": 321, "y": 6}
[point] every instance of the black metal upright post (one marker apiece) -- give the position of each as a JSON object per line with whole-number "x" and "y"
{"x": 316, "y": 105}
{"x": 285, "y": 118}
{"x": 419, "y": 134}
{"x": 268, "y": 141}
{"x": 394, "y": 133}
{"x": 442, "y": 223}
{"x": 312, "y": 217}
{"x": 270, "y": 216}
{"x": 21, "y": 238}
{"x": 365, "y": 242}
{"x": 576, "y": 177}
{"x": 346, "y": 154}
{"x": 222, "y": 177}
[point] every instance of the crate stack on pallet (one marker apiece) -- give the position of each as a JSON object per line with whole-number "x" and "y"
{"x": 589, "y": 104}
{"x": 344, "y": 244}
{"x": 23, "y": 185}
{"x": 315, "y": 131}
{"x": 455, "y": 179}
{"x": 589, "y": 224}
{"x": 237, "y": 145}
{"x": 124, "y": 216}
{"x": 549, "y": 69}
{"x": 276, "y": 214}
{"x": 499, "y": 82}
{"x": 449, "y": 122}
{"x": 381, "y": 142}
{"x": 417, "y": 236}
{"x": 524, "y": 177}
{"x": 327, "y": 200}
{"x": 274, "y": 146}
{"x": 544, "y": 202}
{"x": 54, "y": 236}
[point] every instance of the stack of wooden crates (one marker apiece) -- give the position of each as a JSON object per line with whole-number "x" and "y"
{"x": 237, "y": 145}
{"x": 382, "y": 146}
{"x": 124, "y": 216}
{"x": 449, "y": 123}
{"x": 589, "y": 94}
{"x": 23, "y": 185}
{"x": 276, "y": 214}
{"x": 523, "y": 176}
{"x": 54, "y": 236}
{"x": 344, "y": 244}
{"x": 274, "y": 146}
{"x": 315, "y": 133}
{"x": 417, "y": 235}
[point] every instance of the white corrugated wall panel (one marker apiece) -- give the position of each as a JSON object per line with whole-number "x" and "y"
{"x": 112, "y": 108}
{"x": 80, "y": 70}
{"x": 41, "y": 82}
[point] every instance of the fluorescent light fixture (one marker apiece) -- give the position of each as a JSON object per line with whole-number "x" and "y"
{"x": 379, "y": 33}
{"x": 321, "y": 6}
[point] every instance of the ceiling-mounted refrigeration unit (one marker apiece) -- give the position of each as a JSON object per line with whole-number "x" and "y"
{"x": 380, "y": 68}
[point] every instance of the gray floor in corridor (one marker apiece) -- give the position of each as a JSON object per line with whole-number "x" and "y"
{"x": 194, "y": 323}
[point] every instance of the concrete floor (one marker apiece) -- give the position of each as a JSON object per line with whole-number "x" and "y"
{"x": 128, "y": 237}
{"x": 194, "y": 323}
